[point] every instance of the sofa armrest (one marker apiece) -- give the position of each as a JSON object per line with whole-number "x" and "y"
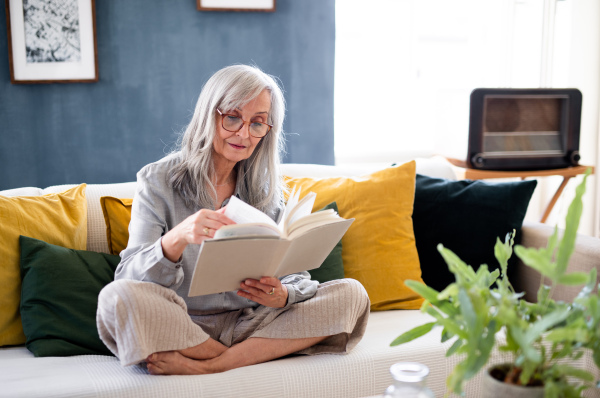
{"x": 585, "y": 257}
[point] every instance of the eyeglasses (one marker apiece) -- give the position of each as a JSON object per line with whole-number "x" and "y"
{"x": 235, "y": 123}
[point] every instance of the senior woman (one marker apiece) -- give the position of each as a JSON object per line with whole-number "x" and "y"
{"x": 231, "y": 147}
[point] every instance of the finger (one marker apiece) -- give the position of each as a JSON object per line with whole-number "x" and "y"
{"x": 219, "y": 217}
{"x": 276, "y": 300}
{"x": 253, "y": 290}
{"x": 260, "y": 298}
{"x": 259, "y": 285}
{"x": 211, "y": 224}
{"x": 270, "y": 281}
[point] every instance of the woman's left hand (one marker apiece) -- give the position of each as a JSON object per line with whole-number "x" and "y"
{"x": 267, "y": 291}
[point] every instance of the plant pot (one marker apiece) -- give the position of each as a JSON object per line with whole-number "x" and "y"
{"x": 494, "y": 388}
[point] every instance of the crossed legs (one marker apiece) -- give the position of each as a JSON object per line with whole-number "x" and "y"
{"x": 142, "y": 321}
{"x": 213, "y": 357}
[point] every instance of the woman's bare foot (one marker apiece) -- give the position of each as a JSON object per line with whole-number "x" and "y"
{"x": 174, "y": 363}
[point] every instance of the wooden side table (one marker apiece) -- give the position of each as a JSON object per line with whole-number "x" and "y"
{"x": 566, "y": 173}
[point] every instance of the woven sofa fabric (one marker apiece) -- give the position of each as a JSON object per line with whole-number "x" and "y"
{"x": 363, "y": 372}
{"x": 434, "y": 167}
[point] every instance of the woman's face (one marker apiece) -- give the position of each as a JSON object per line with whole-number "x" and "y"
{"x": 231, "y": 147}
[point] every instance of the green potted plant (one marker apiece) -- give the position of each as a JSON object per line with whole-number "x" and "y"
{"x": 481, "y": 310}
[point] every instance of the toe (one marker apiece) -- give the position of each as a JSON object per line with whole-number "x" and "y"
{"x": 154, "y": 370}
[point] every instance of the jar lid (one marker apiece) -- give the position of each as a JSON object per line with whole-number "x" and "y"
{"x": 409, "y": 372}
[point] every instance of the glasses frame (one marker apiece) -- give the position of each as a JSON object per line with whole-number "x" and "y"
{"x": 243, "y": 123}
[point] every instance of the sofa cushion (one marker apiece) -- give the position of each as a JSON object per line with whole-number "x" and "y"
{"x": 60, "y": 297}
{"x": 466, "y": 217}
{"x": 436, "y": 166}
{"x": 333, "y": 266}
{"x": 117, "y": 214}
{"x": 379, "y": 247}
{"x": 56, "y": 218}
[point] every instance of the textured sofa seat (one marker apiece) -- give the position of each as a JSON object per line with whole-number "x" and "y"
{"x": 361, "y": 373}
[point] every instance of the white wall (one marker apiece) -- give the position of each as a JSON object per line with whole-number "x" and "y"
{"x": 584, "y": 74}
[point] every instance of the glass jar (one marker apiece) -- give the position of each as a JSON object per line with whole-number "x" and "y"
{"x": 409, "y": 381}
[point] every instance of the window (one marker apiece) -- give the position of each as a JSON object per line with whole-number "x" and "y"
{"x": 405, "y": 69}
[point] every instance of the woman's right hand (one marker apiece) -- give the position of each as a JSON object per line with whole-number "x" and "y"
{"x": 194, "y": 229}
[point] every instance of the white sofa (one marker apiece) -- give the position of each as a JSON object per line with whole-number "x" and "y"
{"x": 363, "y": 372}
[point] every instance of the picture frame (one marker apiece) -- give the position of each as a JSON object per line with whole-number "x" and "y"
{"x": 52, "y": 41}
{"x": 237, "y": 5}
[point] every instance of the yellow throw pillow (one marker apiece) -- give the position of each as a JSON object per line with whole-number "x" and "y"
{"x": 379, "y": 248}
{"x": 59, "y": 219}
{"x": 117, "y": 214}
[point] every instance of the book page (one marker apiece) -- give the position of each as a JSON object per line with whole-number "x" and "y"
{"x": 302, "y": 209}
{"x": 242, "y": 213}
{"x": 311, "y": 221}
{"x": 246, "y": 230}
{"x": 291, "y": 203}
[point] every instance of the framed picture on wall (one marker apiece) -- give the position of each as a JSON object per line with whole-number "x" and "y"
{"x": 236, "y": 5}
{"x": 52, "y": 41}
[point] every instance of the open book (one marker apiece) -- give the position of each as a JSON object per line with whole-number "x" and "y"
{"x": 257, "y": 246}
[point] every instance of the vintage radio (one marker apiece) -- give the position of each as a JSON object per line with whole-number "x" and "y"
{"x": 524, "y": 129}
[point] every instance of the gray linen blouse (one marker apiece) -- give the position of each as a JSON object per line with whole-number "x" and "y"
{"x": 157, "y": 208}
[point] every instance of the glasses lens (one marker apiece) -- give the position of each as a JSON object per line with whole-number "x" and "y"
{"x": 259, "y": 129}
{"x": 232, "y": 123}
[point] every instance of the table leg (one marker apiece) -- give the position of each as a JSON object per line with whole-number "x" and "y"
{"x": 555, "y": 198}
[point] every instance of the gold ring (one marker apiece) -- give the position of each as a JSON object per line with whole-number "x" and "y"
{"x": 272, "y": 291}
{"x": 205, "y": 231}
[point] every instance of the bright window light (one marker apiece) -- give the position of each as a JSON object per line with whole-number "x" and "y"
{"x": 405, "y": 70}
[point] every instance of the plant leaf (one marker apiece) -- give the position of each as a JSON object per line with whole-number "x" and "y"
{"x": 543, "y": 293}
{"x": 537, "y": 328}
{"x": 573, "y": 279}
{"x": 453, "y": 327}
{"x": 503, "y": 251}
{"x": 485, "y": 348}
{"x": 568, "y": 334}
{"x": 590, "y": 285}
{"x": 423, "y": 290}
{"x": 536, "y": 259}
{"x": 567, "y": 244}
{"x": 413, "y": 334}
{"x": 467, "y": 309}
{"x": 457, "y": 344}
{"x": 522, "y": 341}
{"x": 462, "y": 272}
{"x": 567, "y": 370}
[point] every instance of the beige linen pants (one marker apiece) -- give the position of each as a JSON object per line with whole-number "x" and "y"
{"x": 136, "y": 319}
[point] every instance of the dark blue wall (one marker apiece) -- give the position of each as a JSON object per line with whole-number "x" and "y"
{"x": 154, "y": 56}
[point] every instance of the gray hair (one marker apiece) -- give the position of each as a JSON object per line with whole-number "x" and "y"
{"x": 259, "y": 181}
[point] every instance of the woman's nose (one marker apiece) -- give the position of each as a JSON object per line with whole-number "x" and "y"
{"x": 244, "y": 132}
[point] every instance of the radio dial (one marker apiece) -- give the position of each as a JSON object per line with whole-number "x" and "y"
{"x": 574, "y": 158}
{"x": 478, "y": 160}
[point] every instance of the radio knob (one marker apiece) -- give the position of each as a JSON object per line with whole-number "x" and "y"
{"x": 574, "y": 158}
{"x": 478, "y": 160}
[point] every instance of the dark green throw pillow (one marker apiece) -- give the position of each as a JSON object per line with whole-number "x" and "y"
{"x": 333, "y": 267}
{"x": 59, "y": 298}
{"x": 466, "y": 217}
